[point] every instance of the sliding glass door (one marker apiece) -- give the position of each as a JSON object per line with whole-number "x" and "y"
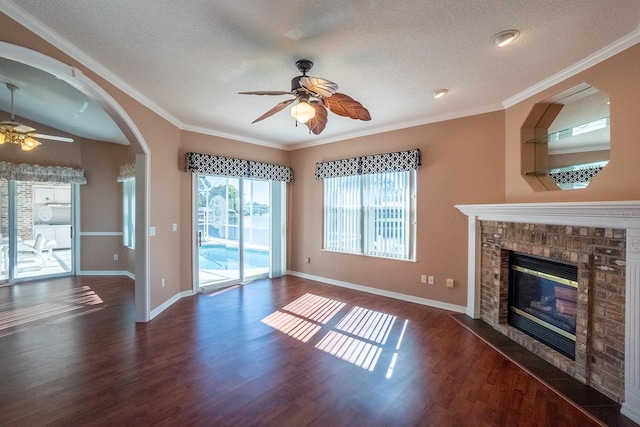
{"x": 234, "y": 229}
{"x": 36, "y": 226}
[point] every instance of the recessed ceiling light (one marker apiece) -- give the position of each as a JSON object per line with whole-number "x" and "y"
{"x": 506, "y": 37}
{"x": 439, "y": 93}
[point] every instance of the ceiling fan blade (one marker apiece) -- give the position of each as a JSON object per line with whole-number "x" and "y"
{"x": 23, "y": 128}
{"x": 265, "y": 92}
{"x": 318, "y": 122}
{"x": 51, "y": 137}
{"x": 318, "y": 87}
{"x": 279, "y": 106}
{"x": 344, "y": 105}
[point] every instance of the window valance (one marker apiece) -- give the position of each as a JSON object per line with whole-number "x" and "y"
{"x": 375, "y": 163}
{"x": 227, "y": 166}
{"x": 127, "y": 171}
{"x": 37, "y": 173}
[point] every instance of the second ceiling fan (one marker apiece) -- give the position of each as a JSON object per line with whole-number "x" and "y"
{"x": 312, "y": 97}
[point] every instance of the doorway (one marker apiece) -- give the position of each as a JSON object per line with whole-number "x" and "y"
{"x": 36, "y": 223}
{"x": 233, "y": 230}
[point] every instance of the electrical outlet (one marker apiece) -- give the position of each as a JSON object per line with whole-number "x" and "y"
{"x": 449, "y": 283}
{"x": 307, "y": 260}
{"x": 423, "y": 278}
{"x": 431, "y": 280}
{"x": 115, "y": 257}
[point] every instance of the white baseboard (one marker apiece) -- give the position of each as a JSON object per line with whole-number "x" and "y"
{"x": 390, "y": 294}
{"x": 168, "y": 303}
{"x": 107, "y": 273}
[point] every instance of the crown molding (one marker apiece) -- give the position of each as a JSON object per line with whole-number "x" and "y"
{"x": 234, "y": 137}
{"x": 603, "y": 54}
{"x": 40, "y": 29}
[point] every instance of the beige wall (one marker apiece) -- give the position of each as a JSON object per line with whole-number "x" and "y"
{"x": 101, "y": 205}
{"x": 620, "y": 180}
{"x": 102, "y": 195}
{"x": 462, "y": 162}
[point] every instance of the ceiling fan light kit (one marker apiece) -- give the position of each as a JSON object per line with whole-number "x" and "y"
{"x": 312, "y": 97}
{"x": 25, "y": 142}
{"x": 302, "y": 111}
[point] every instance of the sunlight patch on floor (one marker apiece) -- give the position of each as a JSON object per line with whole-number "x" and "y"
{"x": 60, "y": 306}
{"x": 359, "y": 337}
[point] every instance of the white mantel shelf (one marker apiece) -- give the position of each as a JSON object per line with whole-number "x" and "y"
{"x": 615, "y": 214}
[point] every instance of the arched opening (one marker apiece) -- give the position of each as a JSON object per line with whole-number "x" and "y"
{"x": 97, "y": 94}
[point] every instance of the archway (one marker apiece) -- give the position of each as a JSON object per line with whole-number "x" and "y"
{"x": 88, "y": 87}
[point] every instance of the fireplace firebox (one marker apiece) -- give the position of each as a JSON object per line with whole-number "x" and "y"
{"x": 543, "y": 300}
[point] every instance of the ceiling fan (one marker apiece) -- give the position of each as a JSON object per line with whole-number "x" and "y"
{"x": 312, "y": 97}
{"x": 22, "y": 135}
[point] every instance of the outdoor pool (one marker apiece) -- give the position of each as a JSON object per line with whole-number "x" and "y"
{"x": 217, "y": 256}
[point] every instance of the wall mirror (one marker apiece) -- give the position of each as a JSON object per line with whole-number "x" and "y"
{"x": 566, "y": 139}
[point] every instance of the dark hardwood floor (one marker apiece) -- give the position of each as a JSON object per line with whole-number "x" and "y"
{"x": 283, "y": 352}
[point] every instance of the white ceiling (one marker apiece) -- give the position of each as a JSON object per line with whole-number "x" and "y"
{"x": 188, "y": 59}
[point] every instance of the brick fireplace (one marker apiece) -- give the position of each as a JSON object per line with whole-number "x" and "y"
{"x": 603, "y": 241}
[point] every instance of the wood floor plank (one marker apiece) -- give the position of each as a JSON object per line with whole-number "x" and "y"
{"x": 210, "y": 360}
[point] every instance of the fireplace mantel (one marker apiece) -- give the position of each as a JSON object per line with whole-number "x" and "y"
{"x": 614, "y": 214}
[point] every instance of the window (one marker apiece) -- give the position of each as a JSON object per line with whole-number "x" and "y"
{"x": 129, "y": 212}
{"x": 371, "y": 214}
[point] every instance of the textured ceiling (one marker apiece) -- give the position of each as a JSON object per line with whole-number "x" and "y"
{"x": 188, "y": 59}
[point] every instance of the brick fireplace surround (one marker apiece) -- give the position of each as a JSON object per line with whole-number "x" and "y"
{"x": 603, "y": 240}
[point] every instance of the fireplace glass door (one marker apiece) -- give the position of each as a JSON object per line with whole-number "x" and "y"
{"x": 543, "y": 301}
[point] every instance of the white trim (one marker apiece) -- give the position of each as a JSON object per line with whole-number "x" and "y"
{"x": 603, "y": 54}
{"x": 382, "y": 292}
{"x": 107, "y": 273}
{"x": 168, "y": 303}
{"x": 614, "y": 214}
{"x": 101, "y": 233}
{"x": 195, "y": 249}
{"x": 234, "y": 137}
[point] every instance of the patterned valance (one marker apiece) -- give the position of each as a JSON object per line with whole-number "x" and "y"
{"x": 376, "y": 163}
{"x": 227, "y": 166}
{"x": 37, "y": 173}
{"x": 127, "y": 171}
